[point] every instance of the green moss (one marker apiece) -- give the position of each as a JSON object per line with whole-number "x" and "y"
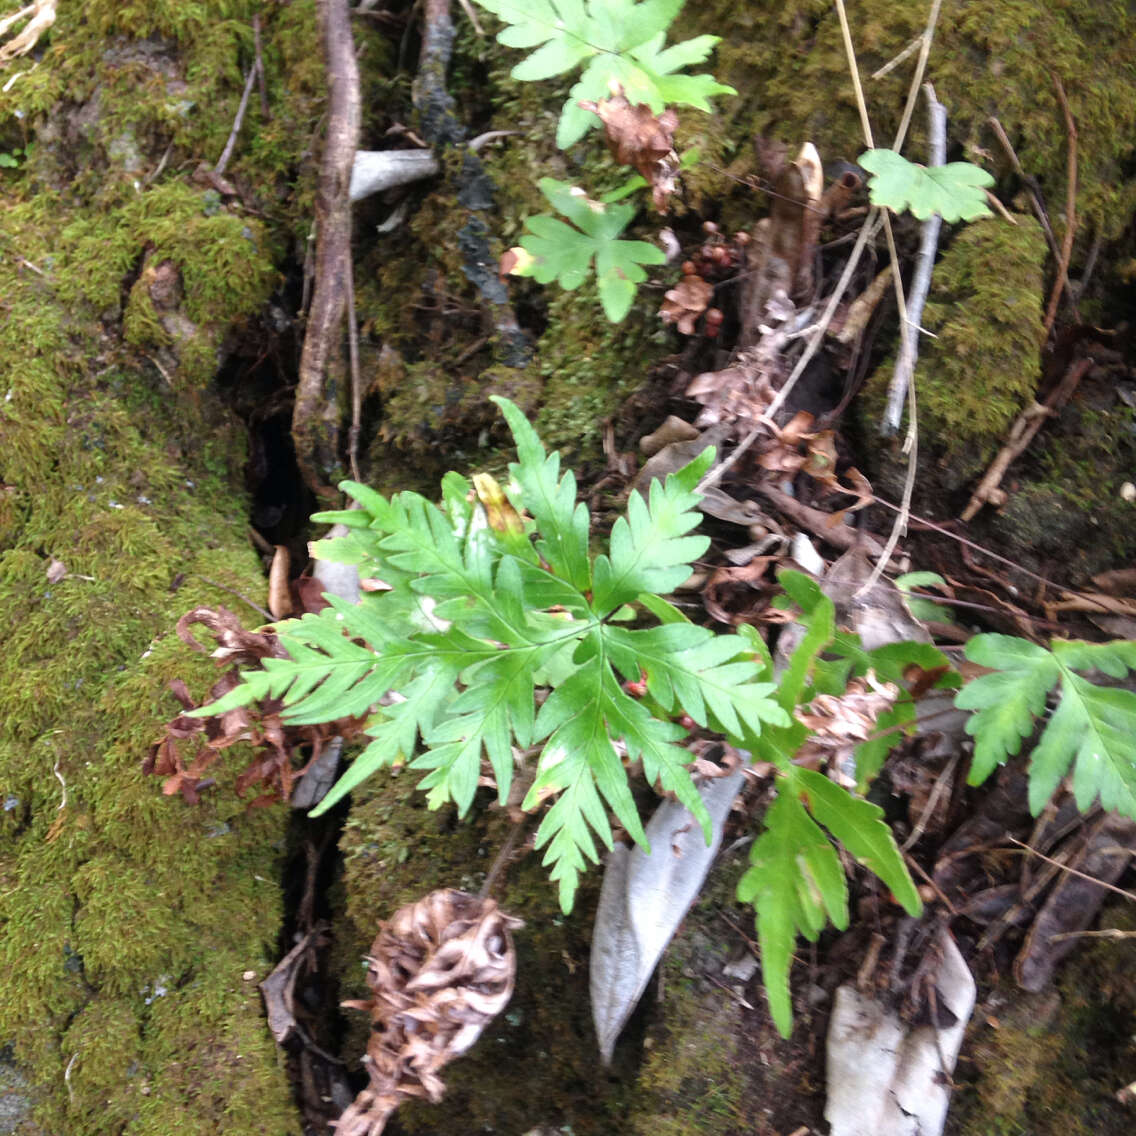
{"x": 1050, "y": 1063}
{"x": 1065, "y": 502}
{"x": 984, "y": 365}
{"x": 788, "y": 63}
{"x": 127, "y": 919}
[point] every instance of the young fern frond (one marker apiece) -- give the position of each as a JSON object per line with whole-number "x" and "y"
{"x": 480, "y": 612}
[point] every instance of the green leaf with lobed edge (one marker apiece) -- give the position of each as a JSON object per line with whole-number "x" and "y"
{"x": 1092, "y": 730}
{"x": 955, "y": 191}
{"x": 795, "y": 884}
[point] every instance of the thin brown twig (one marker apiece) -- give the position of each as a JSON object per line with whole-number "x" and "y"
{"x": 1023, "y": 431}
{"x": 356, "y": 381}
{"x": 911, "y": 444}
{"x": 265, "y": 112}
{"x": 1103, "y": 933}
{"x": 942, "y": 782}
{"x": 233, "y": 592}
{"x": 923, "y": 522}
{"x": 1061, "y": 284}
{"x": 227, "y": 153}
{"x": 1035, "y": 198}
{"x": 1072, "y": 871}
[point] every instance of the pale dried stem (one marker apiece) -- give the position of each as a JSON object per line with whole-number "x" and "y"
{"x": 1061, "y": 284}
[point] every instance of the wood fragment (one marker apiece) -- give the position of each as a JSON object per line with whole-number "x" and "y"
{"x": 1028, "y": 423}
{"x": 1061, "y": 284}
{"x": 279, "y": 590}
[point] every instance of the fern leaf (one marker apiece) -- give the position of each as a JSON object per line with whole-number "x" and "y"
{"x": 650, "y": 551}
{"x": 691, "y": 670}
{"x": 394, "y": 733}
{"x": 551, "y": 499}
{"x": 580, "y": 763}
{"x": 794, "y": 882}
{"x": 616, "y": 40}
{"x": 859, "y": 826}
{"x": 1092, "y": 730}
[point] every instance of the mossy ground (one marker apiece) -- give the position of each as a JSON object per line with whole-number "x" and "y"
{"x": 128, "y": 920}
{"x": 1050, "y": 1064}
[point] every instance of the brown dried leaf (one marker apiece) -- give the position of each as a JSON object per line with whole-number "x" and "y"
{"x": 274, "y": 768}
{"x": 839, "y": 724}
{"x": 686, "y": 301}
{"x": 56, "y": 570}
{"x": 439, "y": 970}
{"x": 638, "y": 138}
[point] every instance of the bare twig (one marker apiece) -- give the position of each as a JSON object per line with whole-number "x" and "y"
{"x": 243, "y": 598}
{"x": 227, "y": 153}
{"x": 316, "y": 416}
{"x": 905, "y": 331}
{"x": 921, "y": 281}
{"x": 1062, "y": 282}
{"x": 1028, "y": 423}
{"x": 892, "y": 64}
{"x": 262, "y": 83}
{"x": 926, "y": 40}
{"x": 356, "y": 381}
{"x": 1035, "y": 197}
{"x": 1072, "y": 871}
{"x": 867, "y": 231}
{"x": 1104, "y": 933}
{"x": 999, "y": 208}
{"x": 942, "y": 783}
{"x": 471, "y": 14}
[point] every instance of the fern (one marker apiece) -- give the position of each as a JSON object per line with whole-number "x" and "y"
{"x": 1092, "y": 729}
{"x": 484, "y": 609}
{"x": 613, "y": 41}
{"x": 795, "y": 882}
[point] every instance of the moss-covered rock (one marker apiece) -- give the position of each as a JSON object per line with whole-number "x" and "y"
{"x": 129, "y": 921}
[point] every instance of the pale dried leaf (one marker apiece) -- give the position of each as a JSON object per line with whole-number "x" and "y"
{"x": 643, "y": 900}
{"x": 42, "y": 13}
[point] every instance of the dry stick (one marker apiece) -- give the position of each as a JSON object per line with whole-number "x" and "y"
{"x": 1072, "y": 871}
{"x": 867, "y": 232}
{"x": 1035, "y": 200}
{"x": 227, "y": 153}
{"x": 890, "y": 66}
{"x": 925, "y": 523}
{"x": 911, "y": 445}
{"x": 921, "y": 281}
{"x": 1061, "y": 284}
{"x": 766, "y": 424}
{"x": 315, "y": 416}
{"x": 356, "y": 381}
{"x": 917, "y": 80}
{"x": 1028, "y": 423}
{"x": 266, "y": 114}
